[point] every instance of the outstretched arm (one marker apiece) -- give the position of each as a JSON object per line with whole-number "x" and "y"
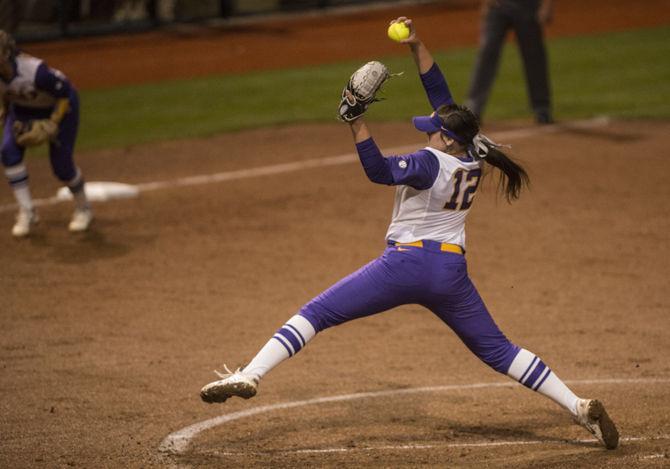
{"x": 422, "y": 56}
{"x": 431, "y": 76}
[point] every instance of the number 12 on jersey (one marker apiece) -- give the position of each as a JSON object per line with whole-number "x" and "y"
{"x": 465, "y": 186}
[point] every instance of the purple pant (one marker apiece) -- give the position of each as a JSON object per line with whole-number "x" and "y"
{"x": 413, "y": 275}
{"x": 60, "y": 152}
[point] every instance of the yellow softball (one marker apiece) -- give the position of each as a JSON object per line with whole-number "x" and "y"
{"x": 398, "y": 32}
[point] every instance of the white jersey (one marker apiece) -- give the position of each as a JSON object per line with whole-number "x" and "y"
{"x": 437, "y": 213}
{"x": 21, "y": 90}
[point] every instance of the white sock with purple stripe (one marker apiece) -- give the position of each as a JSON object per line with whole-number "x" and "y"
{"x": 529, "y": 370}
{"x": 18, "y": 179}
{"x": 286, "y": 342}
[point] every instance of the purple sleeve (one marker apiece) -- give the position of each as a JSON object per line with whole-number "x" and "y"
{"x": 418, "y": 170}
{"x": 51, "y": 81}
{"x": 436, "y": 87}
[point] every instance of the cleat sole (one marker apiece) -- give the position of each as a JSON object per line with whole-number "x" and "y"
{"x": 610, "y": 434}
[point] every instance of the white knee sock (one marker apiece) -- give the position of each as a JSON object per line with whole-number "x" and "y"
{"x": 23, "y": 197}
{"x": 18, "y": 179}
{"x": 530, "y": 371}
{"x": 286, "y": 342}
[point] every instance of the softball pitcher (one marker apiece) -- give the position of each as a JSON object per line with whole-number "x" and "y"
{"x": 39, "y": 106}
{"x": 424, "y": 261}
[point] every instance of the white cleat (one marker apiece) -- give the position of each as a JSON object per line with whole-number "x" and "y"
{"x": 591, "y": 414}
{"x": 81, "y": 220}
{"x": 25, "y": 219}
{"x": 232, "y": 384}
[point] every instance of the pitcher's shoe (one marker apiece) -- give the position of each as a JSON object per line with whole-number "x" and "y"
{"x": 231, "y": 384}
{"x": 25, "y": 219}
{"x": 81, "y": 220}
{"x": 591, "y": 414}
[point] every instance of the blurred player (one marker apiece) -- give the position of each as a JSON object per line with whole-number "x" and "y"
{"x": 39, "y": 106}
{"x": 424, "y": 262}
{"x": 527, "y": 18}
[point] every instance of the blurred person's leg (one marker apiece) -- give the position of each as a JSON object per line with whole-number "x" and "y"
{"x": 530, "y": 38}
{"x": 226, "y": 8}
{"x": 492, "y": 37}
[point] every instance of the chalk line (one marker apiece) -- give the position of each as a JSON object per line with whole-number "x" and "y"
{"x": 177, "y": 442}
{"x": 477, "y": 444}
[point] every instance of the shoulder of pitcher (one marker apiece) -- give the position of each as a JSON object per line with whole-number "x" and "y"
{"x": 418, "y": 170}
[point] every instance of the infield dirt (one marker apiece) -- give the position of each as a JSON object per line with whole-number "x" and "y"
{"x": 108, "y": 337}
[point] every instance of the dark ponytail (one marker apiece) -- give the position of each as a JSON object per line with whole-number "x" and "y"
{"x": 462, "y": 122}
{"x": 512, "y": 175}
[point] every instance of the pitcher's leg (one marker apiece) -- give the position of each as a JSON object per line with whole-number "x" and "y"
{"x": 378, "y": 286}
{"x": 287, "y": 341}
{"x": 363, "y": 293}
{"x": 529, "y": 370}
{"x": 471, "y": 321}
{"x": 468, "y": 317}
{"x": 367, "y": 291}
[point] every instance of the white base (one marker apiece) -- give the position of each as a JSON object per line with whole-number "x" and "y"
{"x": 102, "y": 191}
